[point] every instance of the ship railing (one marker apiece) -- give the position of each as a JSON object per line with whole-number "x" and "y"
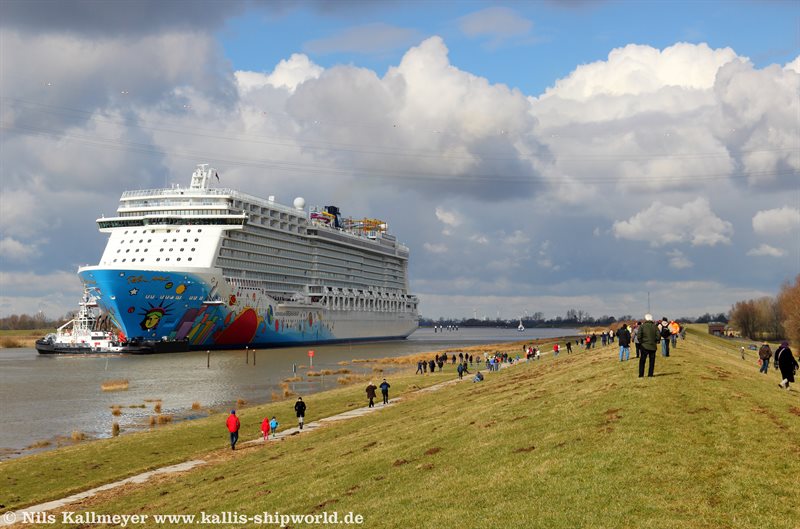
{"x": 179, "y": 192}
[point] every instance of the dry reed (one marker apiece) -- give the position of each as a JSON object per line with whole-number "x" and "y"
{"x": 164, "y": 419}
{"x": 152, "y": 420}
{"x": 195, "y": 405}
{"x": 115, "y": 385}
{"x": 39, "y": 444}
{"x": 77, "y": 436}
{"x": 240, "y": 403}
{"x": 10, "y": 343}
{"x": 116, "y": 410}
{"x": 293, "y": 379}
{"x": 157, "y": 407}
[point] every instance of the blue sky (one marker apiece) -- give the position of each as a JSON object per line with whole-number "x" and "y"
{"x": 561, "y": 35}
{"x": 534, "y": 156}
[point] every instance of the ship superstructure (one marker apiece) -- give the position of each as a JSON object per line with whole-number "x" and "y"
{"x": 221, "y": 268}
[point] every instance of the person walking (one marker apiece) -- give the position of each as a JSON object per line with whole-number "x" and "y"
{"x": 265, "y": 428}
{"x": 233, "y": 425}
{"x": 273, "y": 427}
{"x": 648, "y": 337}
{"x": 432, "y": 366}
{"x": 300, "y": 410}
{"x": 764, "y": 358}
{"x": 624, "y": 337}
{"x": 371, "y": 394}
{"x": 569, "y": 346}
{"x": 385, "y": 391}
{"x": 786, "y": 363}
{"x": 419, "y": 367}
{"x": 460, "y": 370}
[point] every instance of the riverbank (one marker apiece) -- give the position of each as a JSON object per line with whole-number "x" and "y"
{"x": 561, "y": 442}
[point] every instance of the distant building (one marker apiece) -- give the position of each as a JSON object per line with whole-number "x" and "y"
{"x": 716, "y": 328}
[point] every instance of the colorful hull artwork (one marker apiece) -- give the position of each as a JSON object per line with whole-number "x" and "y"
{"x": 188, "y": 306}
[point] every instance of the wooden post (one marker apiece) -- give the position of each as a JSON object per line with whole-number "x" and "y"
{"x": 254, "y": 357}
{"x": 208, "y": 359}
{"x": 247, "y": 355}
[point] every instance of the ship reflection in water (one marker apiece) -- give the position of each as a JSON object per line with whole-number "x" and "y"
{"x": 49, "y": 396}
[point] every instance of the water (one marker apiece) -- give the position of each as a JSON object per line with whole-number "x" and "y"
{"x": 44, "y": 397}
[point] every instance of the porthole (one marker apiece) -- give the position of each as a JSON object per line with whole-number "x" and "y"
{"x": 119, "y": 250}
{"x": 165, "y": 240}
{"x": 137, "y": 250}
{"x": 169, "y": 231}
{"x": 179, "y": 258}
{"x": 196, "y": 240}
{"x": 148, "y": 240}
{"x": 181, "y": 249}
{"x": 145, "y": 249}
{"x": 115, "y": 260}
{"x": 126, "y": 232}
{"x": 170, "y": 249}
{"x": 167, "y": 259}
{"x": 190, "y": 258}
{"x": 123, "y": 260}
{"x": 128, "y": 250}
{"x": 185, "y": 240}
{"x": 161, "y": 249}
{"x": 192, "y": 249}
{"x": 158, "y": 258}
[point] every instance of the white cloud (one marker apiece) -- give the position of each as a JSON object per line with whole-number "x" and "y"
{"x": 780, "y": 221}
{"x": 480, "y": 239}
{"x": 659, "y": 225}
{"x": 449, "y": 218}
{"x": 766, "y": 250}
{"x": 678, "y": 260}
{"x": 518, "y": 238}
{"x": 287, "y": 74}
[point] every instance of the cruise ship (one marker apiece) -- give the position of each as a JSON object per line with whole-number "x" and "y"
{"x": 220, "y": 269}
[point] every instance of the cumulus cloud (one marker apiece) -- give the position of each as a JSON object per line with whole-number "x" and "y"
{"x": 287, "y": 74}
{"x": 435, "y": 248}
{"x": 659, "y": 225}
{"x": 780, "y": 221}
{"x": 449, "y": 217}
{"x": 766, "y": 250}
{"x": 15, "y": 250}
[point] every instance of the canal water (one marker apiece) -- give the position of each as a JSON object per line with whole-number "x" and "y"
{"x": 46, "y": 397}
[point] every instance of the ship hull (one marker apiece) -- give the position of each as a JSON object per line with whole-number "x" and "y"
{"x": 205, "y": 311}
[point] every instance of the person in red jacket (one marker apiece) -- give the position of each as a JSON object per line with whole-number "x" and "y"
{"x": 233, "y": 427}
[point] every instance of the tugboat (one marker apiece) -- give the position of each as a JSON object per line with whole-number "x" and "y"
{"x": 81, "y": 335}
{"x": 84, "y": 335}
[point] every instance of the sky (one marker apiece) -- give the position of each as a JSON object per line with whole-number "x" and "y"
{"x": 535, "y": 156}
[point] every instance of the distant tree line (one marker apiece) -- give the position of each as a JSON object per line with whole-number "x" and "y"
{"x": 770, "y": 318}
{"x": 22, "y": 322}
{"x": 573, "y": 318}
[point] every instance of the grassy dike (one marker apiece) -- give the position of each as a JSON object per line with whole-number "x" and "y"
{"x": 576, "y": 441}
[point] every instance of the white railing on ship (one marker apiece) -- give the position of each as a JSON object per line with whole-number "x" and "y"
{"x": 187, "y": 192}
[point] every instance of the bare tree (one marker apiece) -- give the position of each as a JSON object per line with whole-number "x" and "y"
{"x": 789, "y": 302}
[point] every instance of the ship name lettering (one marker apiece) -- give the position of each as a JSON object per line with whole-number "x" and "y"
{"x": 158, "y": 278}
{"x": 137, "y": 279}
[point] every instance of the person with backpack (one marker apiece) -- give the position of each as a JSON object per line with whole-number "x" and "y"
{"x": 764, "y": 357}
{"x": 233, "y": 425}
{"x": 786, "y": 363}
{"x": 300, "y": 410}
{"x": 666, "y": 334}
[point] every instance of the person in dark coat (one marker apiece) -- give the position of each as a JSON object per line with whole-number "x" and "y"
{"x": 460, "y": 370}
{"x": 300, "y": 410}
{"x": 385, "y": 389}
{"x": 371, "y": 394}
{"x": 432, "y": 366}
{"x": 648, "y": 339}
{"x": 786, "y": 363}
{"x": 624, "y": 336}
{"x": 233, "y": 425}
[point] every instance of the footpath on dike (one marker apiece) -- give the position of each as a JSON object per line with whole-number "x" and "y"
{"x": 18, "y": 516}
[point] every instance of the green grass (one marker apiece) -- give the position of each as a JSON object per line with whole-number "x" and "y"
{"x": 577, "y": 441}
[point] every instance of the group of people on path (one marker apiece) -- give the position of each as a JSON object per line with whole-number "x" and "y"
{"x": 371, "y": 392}
{"x": 425, "y": 366}
{"x": 268, "y": 425}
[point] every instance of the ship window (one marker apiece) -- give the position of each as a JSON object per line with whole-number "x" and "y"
{"x": 169, "y": 231}
{"x": 119, "y": 250}
{"x": 115, "y": 260}
{"x": 152, "y": 231}
{"x": 170, "y": 249}
{"x": 192, "y": 249}
{"x": 167, "y": 259}
{"x": 181, "y": 249}
{"x": 196, "y": 240}
{"x": 190, "y": 258}
{"x": 185, "y": 240}
{"x": 137, "y": 250}
{"x": 158, "y": 258}
{"x": 140, "y": 240}
{"x": 141, "y": 260}
{"x": 161, "y": 249}
{"x": 145, "y": 249}
{"x": 200, "y": 230}
{"x": 179, "y": 258}
{"x": 126, "y": 232}
{"x": 128, "y": 250}
{"x": 165, "y": 240}
{"x": 189, "y": 230}
{"x": 123, "y": 260}
{"x": 174, "y": 240}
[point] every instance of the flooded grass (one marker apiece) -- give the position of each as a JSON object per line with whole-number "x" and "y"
{"x": 115, "y": 385}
